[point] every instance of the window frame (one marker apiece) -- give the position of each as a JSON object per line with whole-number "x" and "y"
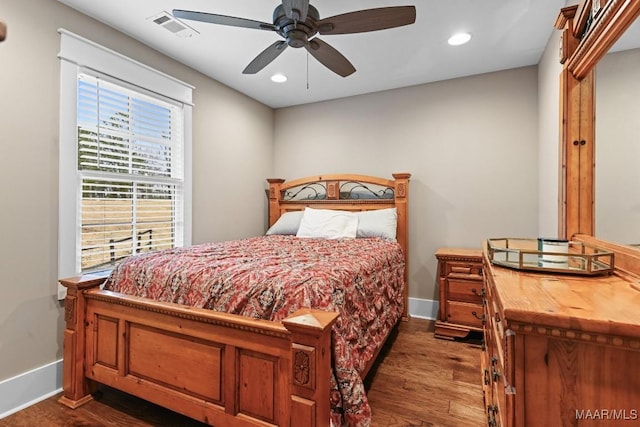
{"x": 81, "y": 56}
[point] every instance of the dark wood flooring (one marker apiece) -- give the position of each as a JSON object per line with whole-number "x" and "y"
{"x": 418, "y": 381}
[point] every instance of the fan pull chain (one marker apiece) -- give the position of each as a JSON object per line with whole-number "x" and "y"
{"x": 307, "y": 70}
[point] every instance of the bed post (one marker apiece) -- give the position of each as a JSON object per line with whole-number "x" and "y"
{"x": 76, "y": 390}
{"x": 274, "y": 199}
{"x": 310, "y": 365}
{"x": 401, "y": 196}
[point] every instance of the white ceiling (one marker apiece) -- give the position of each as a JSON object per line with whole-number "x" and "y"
{"x": 506, "y": 34}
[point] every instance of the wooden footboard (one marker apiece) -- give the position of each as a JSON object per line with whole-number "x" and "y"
{"x": 222, "y": 369}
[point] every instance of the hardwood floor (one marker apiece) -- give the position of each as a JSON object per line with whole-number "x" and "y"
{"x": 425, "y": 381}
{"x": 419, "y": 381}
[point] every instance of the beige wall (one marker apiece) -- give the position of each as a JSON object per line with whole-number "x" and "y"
{"x": 471, "y": 145}
{"x": 232, "y": 155}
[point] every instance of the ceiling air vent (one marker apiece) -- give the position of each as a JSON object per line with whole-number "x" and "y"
{"x": 171, "y": 24}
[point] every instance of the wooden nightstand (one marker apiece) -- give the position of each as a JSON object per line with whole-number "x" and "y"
{"x": 461, "y": 292}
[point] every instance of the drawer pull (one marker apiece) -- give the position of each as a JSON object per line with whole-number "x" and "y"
{"x": 495, "y": 374}
{"x": 491, "y": 415}
{"x": 475, "y": 314}
{"x": 480, "y": 294}
{"x": 494, "y": 360}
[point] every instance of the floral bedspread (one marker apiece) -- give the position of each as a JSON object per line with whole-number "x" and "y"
{"x": 270, "y": 277}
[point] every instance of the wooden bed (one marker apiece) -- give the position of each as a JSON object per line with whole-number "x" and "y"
{"x": 222, "y": 369}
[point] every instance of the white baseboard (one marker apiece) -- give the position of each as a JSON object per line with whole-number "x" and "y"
{"x": 423, "y": 308}
{"x": 30, "y": 387}
{"x": 41, "y": 383}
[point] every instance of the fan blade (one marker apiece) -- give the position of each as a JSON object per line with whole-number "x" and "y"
{"x": 296, "y": 9}
{"x": 368, "y": 20}
{"x": 212, "y": 18}
{"x": 330, "y": 57}
{"x": 265, "y": 57}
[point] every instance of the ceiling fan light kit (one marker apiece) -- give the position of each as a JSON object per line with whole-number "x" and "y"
{"x": 298, "y": 23}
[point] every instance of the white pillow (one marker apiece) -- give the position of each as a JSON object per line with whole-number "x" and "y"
{"x": 378, "y": 223}
{"x": 328, "y": 224}
{"x": 288, "y": 223}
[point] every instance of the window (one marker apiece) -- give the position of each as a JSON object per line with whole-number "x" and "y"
{"x": 131, "y": 175}
{"x": 125, "y": 152}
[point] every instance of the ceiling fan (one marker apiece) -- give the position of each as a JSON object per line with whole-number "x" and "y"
{"x": 298, "y": 22}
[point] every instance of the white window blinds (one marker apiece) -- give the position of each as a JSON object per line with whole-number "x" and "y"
{"x": 130, "y": 165}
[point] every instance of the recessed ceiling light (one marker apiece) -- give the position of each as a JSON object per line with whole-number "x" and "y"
{"x": 458, "y": 39}
{"x": 279, "y": 78}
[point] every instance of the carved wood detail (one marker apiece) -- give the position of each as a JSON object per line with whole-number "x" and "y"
{"x": 69, "y": 310}
{"x": 462, "y": 258}
{"x": 613, "y": 18}
{"x": 303, "y": 366}
{"x": 189, "y": 314}
{"x": 333, "y": 190}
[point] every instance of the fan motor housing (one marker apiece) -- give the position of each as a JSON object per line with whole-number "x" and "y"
{"x": 297, "y": 33}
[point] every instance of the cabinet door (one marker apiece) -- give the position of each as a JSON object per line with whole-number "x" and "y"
{"x": 578, "y": 154}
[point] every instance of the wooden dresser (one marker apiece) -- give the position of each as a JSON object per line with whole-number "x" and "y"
{"x": 460, "y": 282}
{"x": 560, "y": 350}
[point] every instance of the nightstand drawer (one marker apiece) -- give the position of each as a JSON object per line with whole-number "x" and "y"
{"x": 465, "y": 290}
{"x": 465, "y": 313}
{"x": 464, "y": 270}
